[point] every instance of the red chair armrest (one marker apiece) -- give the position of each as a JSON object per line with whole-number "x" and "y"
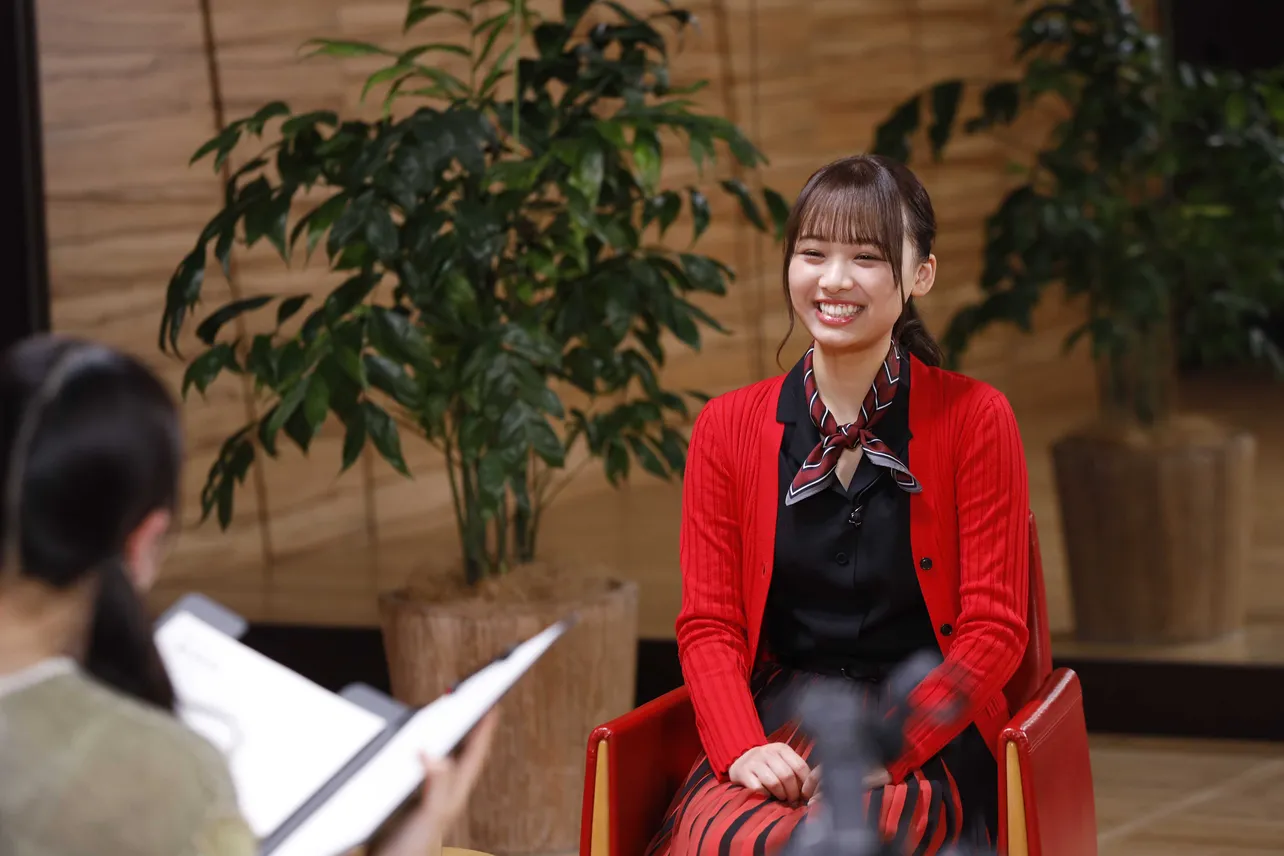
{"x": 635, "y": 765}
{"x": 1046, "y": 805}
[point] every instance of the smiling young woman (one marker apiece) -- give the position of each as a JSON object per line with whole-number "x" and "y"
{"x": 837, "y": 520}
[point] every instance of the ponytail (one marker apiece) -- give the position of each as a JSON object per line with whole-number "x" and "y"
{"x": 911, "y": 333}
{"x": 90, "y": 447}
{"x": 122, "y": 649}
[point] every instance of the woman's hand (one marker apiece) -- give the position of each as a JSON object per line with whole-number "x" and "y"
{"x": 774, "y": 769}
{"x": 447, "y": 786}
{"x": 873, "y": 781}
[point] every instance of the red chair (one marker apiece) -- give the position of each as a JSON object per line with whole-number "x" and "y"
{"x": 637, "y": 762}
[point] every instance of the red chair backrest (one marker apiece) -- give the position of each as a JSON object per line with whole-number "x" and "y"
{"x": 1036, "y": 664}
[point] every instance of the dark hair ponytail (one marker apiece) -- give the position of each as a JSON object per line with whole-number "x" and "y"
{"x": 911, "y": 333}
{"x": 89, "y": 447}
{"x": 122, "y": 649}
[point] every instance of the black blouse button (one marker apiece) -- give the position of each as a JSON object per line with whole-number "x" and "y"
{"x": 925, "y": 563}
{"x": 841, "y": 558}
{"x": 946, "y": 630}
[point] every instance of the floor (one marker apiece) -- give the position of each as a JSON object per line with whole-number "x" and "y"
{"x": 1162, "y": 797}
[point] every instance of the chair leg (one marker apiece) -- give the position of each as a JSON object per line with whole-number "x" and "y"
{"x": 1017, "y": 838}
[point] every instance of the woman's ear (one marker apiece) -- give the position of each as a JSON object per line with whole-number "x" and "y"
{"x": 924, "y": 277}
{"x": 145, "y": 548}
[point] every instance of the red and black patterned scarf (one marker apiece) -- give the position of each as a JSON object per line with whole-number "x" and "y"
{"x": 834, "y": 438}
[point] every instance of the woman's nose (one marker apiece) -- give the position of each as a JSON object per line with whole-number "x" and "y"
{"x": 835, "y": 276}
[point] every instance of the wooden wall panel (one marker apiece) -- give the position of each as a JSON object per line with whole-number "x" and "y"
{"x": 128, "y": 96}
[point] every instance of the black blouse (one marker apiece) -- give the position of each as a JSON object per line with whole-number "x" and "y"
{"x": 845, "y": 597}
{"x": 844, "y": 593}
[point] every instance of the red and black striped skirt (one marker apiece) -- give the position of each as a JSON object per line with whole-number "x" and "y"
{"x": 952, "y": 799}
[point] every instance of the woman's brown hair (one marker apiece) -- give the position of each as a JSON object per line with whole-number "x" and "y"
{"x": 868, "y": 199}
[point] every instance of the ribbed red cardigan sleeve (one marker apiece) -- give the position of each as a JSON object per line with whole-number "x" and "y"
{"x": 712, "y": 635}
{"x": 992, "y": 495}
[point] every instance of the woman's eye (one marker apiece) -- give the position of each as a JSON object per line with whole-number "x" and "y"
{"x": 812, "y": 254}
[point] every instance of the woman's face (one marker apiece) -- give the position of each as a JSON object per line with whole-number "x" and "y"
{"x": 845, "y": 294}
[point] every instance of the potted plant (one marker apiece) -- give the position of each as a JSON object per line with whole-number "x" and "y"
{"x": 508, "y": 297}
{"x": 1155, "y": 202}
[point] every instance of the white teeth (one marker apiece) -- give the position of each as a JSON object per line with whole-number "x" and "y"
{"x": 839, "y": 310}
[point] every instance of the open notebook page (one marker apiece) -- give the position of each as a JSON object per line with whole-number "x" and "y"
{"x": 284, "y": 736}
{"x": 357, "y": 809}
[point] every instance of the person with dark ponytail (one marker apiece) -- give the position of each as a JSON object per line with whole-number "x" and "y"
{"x": 839, "y": 519}
{"x": 92, "y": 758}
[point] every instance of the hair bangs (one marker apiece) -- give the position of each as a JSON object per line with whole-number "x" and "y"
{"x": 860, "y": 205}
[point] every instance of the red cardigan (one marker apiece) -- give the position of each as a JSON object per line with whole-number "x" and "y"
{"x": 968, "y": 531}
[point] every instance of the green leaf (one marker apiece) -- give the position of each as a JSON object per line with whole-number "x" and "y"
{"x": 295, "y": 125}
{"x": 391, "y": 378}
{"x": 383, "y": 431}
{"x": 433, "y": 47}
{"x": 778, "y": 210}
{"x": 354, "y": 438}
{"x": 384, "y": 75}
{"x": 737, "y": 188}
{"x": 492, "y": 475}
{"x": 207, "y": 332}
{"x": 348, "y": 296}
{"x": 381, "y": 233}
{"x": 265, "y": 114}
{"x": 340, "y": 48}
{"x": 617, "y": 461}
{"x": 704, "y": 273}
{"x": 421, "y": 11}
{"x": 646, "y": 158}
{"x": 285, "y": 409}
{"x": 290, "y": 307}
{"x": 316, "y": 403}
{"x": 202, "y": 371}
{"x": 699, "y": 213}
{"x": 573, "y": 10}
{"x": 649, "y": 460}
{"x": 891, "y": 138}
{"x": 269, "y": 218}
{"x": 588, "y": 173}
{"x": 183, "y": 291}
{"x": 945, "y": 107}
{"x": 318, "y": 220}
{"x": 545, "y": 442}
{"x": 222, "y": 143}
{"x": 674, "y": 448}
{"x": 350, "y": 363}
{"x": 1236, "y": 110}
{"x": 393, "y": 334}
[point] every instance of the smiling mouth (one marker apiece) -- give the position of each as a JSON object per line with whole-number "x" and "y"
{"x": 838, "y": 311}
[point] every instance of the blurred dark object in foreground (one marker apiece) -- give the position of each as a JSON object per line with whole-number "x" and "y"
{"x": 852, "y": 740}
{"x": 24, "y": 291}
{"x": 1230, "y": 34}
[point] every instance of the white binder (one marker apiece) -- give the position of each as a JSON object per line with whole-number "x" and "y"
{"x": 317, "y": 773}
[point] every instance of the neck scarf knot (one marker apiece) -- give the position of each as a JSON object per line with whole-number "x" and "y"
{"x": 821, "y": 464}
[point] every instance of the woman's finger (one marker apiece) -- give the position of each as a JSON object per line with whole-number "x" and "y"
{"x": 752, "y": 783}
{"x": 795, "y": 761}
{"x": 476, "y": 749}
{"x": 770, "y": 781}
{"x": 812, "y": 784}
{"x": 790, "y": 783}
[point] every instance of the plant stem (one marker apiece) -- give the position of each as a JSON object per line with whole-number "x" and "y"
{"x": 519, "y": 16}
{"x": 454, "y": 496}
{"x": 474, "y": 540}
{"x": 501, "y": 534}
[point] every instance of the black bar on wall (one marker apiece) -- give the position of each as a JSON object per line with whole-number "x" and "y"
{"x": 24, "y": 281}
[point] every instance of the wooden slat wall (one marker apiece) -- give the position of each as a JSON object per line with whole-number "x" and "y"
{"x": 129, "y": 93}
